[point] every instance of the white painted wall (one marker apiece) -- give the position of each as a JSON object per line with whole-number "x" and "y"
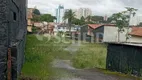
{"x": 111, "y": 34}
{"x": 135, "y": 39}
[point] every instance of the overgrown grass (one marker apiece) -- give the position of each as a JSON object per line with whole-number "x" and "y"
{"x": 90, "y": 56}
{"x": 39, "y": 55}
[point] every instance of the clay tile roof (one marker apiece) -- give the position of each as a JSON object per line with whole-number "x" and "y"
{"x": 95, "y": 26}
{"x": 136, "y": 31}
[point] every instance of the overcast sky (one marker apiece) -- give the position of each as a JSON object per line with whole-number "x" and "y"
{"x": 99, "y": 7}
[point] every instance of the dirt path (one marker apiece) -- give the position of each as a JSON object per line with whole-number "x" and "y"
{"x": 73, "y": 48}
{"x": 67, "y": 72}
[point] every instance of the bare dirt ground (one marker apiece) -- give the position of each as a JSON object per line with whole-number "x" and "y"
{"x": 66, "y": 72}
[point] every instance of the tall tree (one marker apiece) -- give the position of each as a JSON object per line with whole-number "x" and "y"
{"x": 47, "y": 18}
{"x": 69, "y": 15}
{"x": 36, "y": 12}
{"x": 88, "y": 18}
{"x": 76, "y": 21}
{"x": 36, "y": 15}
{"x": 140, "y": 24}
{"x": 121, "y": 21}
{"x": 97, "y": 19}
{"x": 110, "y": 20}
{"x": 82, "y": 20}
{"x": 36, "y": 18}
{"x": 131, "y": 12}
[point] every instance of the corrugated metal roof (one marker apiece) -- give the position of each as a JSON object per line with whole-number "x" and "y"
{"x": 124, "y": 43}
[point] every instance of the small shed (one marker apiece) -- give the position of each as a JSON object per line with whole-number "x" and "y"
{"x": 125, "y": 58}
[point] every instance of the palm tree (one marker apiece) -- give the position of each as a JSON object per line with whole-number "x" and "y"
{"x": 69, "y": 15}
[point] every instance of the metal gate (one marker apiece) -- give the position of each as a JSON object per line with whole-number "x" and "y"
{"x": 125, "y": 58}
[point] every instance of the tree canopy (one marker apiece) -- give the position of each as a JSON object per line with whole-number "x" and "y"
{"x": 36, "y": 12}
{"x": 88, "y": 18}
{"x": 43, "y": 17}
{"x": 76, "y": 21}
{"x": 140, "y": 24}
{"x": 69, "y": 15}
{"x": 97, "y": 19}
{"x": 122, "y": 19}
{"x": 47, "y": 18}
{"x": 36, "y": 15}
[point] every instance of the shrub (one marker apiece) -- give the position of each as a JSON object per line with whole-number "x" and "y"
{"x": 90, "y": 56}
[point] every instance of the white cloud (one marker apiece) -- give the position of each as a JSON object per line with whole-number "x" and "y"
{"x": 99, "y": 7}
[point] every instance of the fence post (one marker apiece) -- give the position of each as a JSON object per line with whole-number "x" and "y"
{"x": 9, "y": 65}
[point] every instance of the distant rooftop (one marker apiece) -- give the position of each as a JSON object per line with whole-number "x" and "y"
{"x": 95, "y": 26}
{"x": 136, "y": 31}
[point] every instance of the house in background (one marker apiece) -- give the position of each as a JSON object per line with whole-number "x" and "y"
{"x": 93, "y": 32}
{"x": 64, "y": 28}
{"x": 97, "y": 31}
{"x": 61, "y": 28}
{"x": 50, "y": 28}
{"x": 136, "y": 35}
{"x": 29, "y": 19}
{"x": 124, "y": 56}
{"x": 111, "y": 35}
{"x": 38, "y": 25}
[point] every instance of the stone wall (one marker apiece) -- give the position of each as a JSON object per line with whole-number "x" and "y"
{"x": 3, "y": 38}
{"x": 12, "y": 35}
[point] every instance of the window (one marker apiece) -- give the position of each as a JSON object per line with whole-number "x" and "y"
{"x": 14, "y": 16}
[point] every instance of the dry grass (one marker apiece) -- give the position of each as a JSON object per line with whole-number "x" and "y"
{"x": 90, "y": 56}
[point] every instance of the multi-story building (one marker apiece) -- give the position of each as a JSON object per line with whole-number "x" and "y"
{"x": 59, "y": 14}
{"x": 85, "y": 12}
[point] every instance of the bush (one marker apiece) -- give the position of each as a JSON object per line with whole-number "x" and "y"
{"x": 39, "y": 55}
{"x": 90, "y": 56}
